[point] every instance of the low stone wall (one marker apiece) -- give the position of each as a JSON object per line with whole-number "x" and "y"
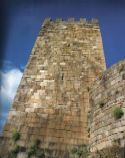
{"x": 107, "y": 94}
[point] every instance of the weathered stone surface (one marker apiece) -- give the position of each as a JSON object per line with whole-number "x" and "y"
{"x": 107, "y": 93}
{"x": 52, "y": 100}
{"x": 22, "y": 155}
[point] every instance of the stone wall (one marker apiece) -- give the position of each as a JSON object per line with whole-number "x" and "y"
{"x": 108, "y": 93}
{"x": 52, "y": 100}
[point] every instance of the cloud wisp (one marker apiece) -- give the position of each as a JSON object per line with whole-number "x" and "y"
{"x": 9, "y": 83}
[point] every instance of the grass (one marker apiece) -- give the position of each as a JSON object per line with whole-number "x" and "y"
{"x": 118, "y": 113}
{"x": 15, "y": 135}
{"x": 80, "y": 151}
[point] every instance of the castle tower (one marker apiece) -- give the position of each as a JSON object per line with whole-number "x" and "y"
{"x": 52, "y": 100}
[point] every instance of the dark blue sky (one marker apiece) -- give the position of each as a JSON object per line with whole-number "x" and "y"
{"x": 22, "y": 21}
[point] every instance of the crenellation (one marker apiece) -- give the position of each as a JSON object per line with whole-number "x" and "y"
{"x": 70, "y": 20}
{"x": 59, "y": 20}
{"x": 46, "y": 21}
{"x": 54, "y": 23}
{"x": 94, "y": 21}
{"x": 83, "y": 20}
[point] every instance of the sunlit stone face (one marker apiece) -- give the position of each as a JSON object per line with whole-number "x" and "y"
{"x": 52, "y": 100}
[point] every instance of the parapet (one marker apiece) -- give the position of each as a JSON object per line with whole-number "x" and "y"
{"x": 50, "y": 24}
{"x": 93, "y": 21}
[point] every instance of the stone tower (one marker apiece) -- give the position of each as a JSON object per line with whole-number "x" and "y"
{"x": 52, "y": 100}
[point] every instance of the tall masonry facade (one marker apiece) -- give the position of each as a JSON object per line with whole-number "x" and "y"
{"x": 52, "y": 100}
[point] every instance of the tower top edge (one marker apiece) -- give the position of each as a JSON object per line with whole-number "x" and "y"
{"x": 72, "y": 20}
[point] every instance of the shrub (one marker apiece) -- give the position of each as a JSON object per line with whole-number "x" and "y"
{"x": 34, "y": 148}
{"x": 16, "y": 149}
{"x": 15, "y": 135}
{"x": 40, "y": 153}
{"x": 14, "y": 152}
{"x": 118, "y": 113}
{"x": 73, "y": 151}
{"x": 80, "y": 151}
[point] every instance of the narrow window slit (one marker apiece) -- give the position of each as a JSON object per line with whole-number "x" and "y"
{"x": 62, "y": 77}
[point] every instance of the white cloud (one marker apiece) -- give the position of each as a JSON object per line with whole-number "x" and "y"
{"x": 9, "y": 83}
